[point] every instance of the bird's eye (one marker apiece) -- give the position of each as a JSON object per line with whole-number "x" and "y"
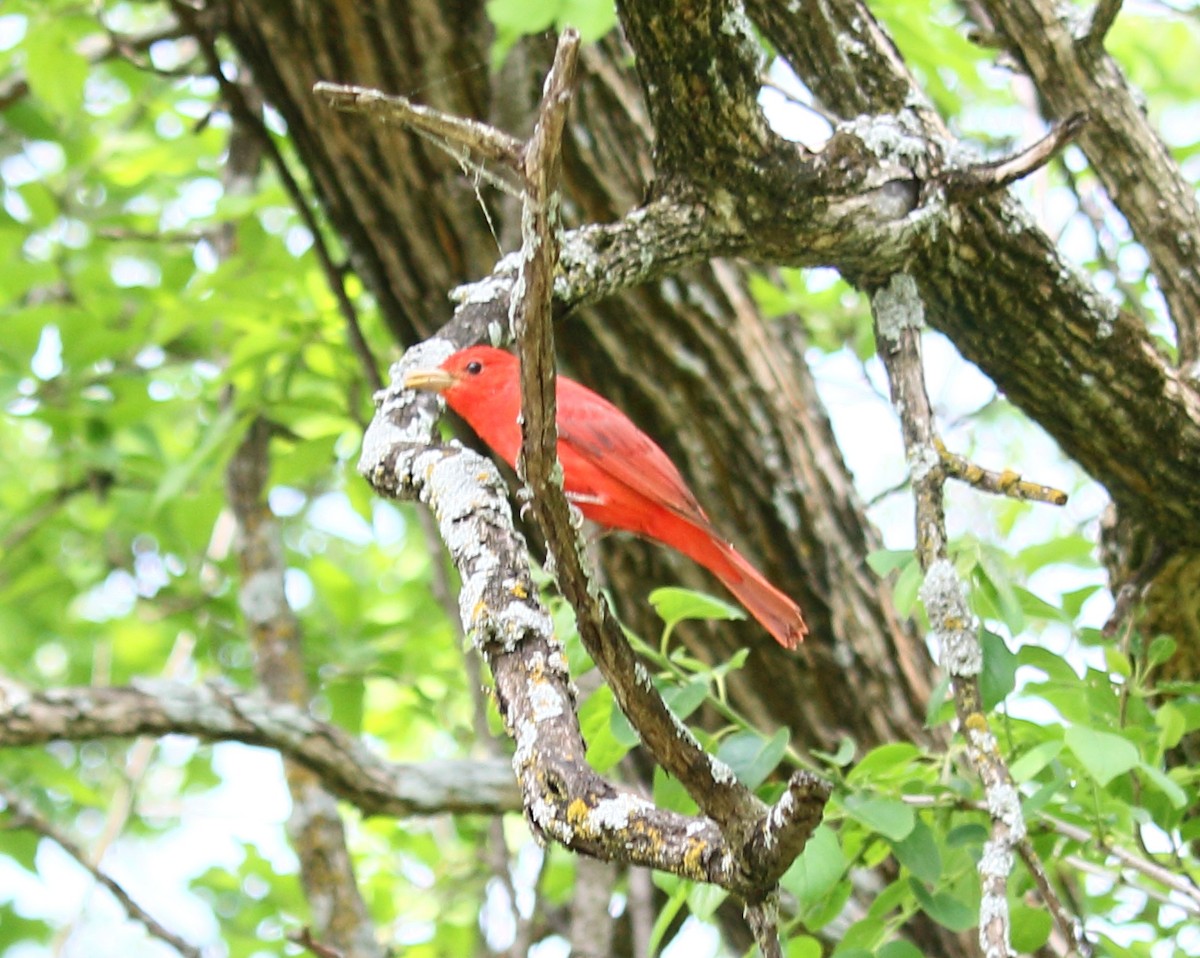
{"x": 474, "y": 367}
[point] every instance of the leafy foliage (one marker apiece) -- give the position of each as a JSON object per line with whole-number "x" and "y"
{"x": 149, "y": 315}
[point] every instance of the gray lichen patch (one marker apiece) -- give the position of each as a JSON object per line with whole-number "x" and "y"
{"x": 954, "y": 625}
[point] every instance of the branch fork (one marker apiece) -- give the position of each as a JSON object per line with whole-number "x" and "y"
{"x": 737, "y": 842}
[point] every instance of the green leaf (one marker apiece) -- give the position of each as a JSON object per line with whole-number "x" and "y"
{"x": 818, "y": 869}
{"x": 753, "y": 757}
{"x": 1035, "y": 607}
{"x": 1102, "y": 754}
{"x": 1030, "y": 928}
{"x": 997, "y": 590}
{"x": 1036, "y": 759}
{"x": 1162, "y": 648}
{"x": 889, "y": 817}
{"x": 883, "y": 561}
{"x": 592, "y": 18}
{"x": 999, "y": 676}
{"x": 1072, "y": 602}
{"x": 595, "y": 721}
{"x": 907, "y": 588}
{"x": 671, "y": 795}
{"x": 20, "y": 845}
{"x": 883, "y": 761}
{"x": 803, "y": 946}
{"x": 842, "y": 757}
{"x": 1171, "y": 723}
{"x": 1165, "y": 784}
{"x": 704, "y": 899}
{"x": 666, "y": 916}
{"x": 919, "y": 853}
{"x": 345, "y": 697}
{"x": 944, "y": 908}
{"x": 55, "y": 71}
{"x": 1117, "y": 662}
{"x": 939, "y": 708}
{"x": 519, "y": 18}
{"x": 898, "y": 949}
{"x": 861, "y": 938}
{"x": 675, "y": 605}
{"x": 683, "y": 700}
{"x": 225, "y": 427}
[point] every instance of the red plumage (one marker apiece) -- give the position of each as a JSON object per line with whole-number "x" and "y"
{"x": 614, "y": 473}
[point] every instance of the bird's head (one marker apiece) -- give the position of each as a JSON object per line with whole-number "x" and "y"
{"x": 478, "y": 372}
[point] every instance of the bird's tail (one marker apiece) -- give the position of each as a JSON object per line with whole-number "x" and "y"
{"x": 778, "y": 614}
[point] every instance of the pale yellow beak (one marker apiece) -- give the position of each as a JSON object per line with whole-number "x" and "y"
{"x": 433, "y": 380}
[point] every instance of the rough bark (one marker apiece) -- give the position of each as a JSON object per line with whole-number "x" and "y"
{"x": 746, "y": 393}
{"x": 685, "y": 352}
{"x": 214, "y": 714}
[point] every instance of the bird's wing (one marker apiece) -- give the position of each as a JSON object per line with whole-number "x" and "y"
{"x": 598, "y": 432}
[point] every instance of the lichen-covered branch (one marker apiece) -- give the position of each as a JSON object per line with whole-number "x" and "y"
{"x": 1074, "y": 73}
{"x": 213, "y": 713}
{"x": 1006, "y": 483}
{"x": 995, "y": 284}
{"x": 564, "y": 799}
{"x": 455, "y": 134}
{"x": 739, "y": 843}
{"x": 709, "y": 781}
{"x": 899, "y": 317}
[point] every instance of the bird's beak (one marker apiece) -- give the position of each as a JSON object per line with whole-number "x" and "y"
{"x": 433, "y": 380}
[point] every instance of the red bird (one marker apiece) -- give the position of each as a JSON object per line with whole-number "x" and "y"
{"x": 612, "y": 471}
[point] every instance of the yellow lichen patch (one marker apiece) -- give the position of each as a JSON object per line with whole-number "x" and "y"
{"x": 478, "y": 610}
{"x": 518, "y": 589}
{"x": 577, "y": 813}
{"x": 976, "y": 722}
{"x": 693, "y": 859}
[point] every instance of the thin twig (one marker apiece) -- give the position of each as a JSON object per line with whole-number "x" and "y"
{"x": 23, "y": 815}
{"x": 96, "y": 49}
{"x": 1088, "y": 839}
{"x": 1006, "y": 483}
{"x": 99, "y": 482}
{"x": 1129, "y": 859}
{"x": 450, "y": 132}
{"x": 305, "y": 939}
{"x": 1103, "y": 17}
{"x": 715, "y": 789}
{"x": 236, "y": 99}
{"x": 979, "y": 179}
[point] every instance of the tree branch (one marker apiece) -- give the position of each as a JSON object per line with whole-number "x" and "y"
{"x": 242, "y": 110}
{"x": 899, "y": 315}
{"x": 216, "y": 714}
{"x": 1006, "y": 483}
{"x": 314, "y": 824}
{"x": 742, "y": 846}
{"x": 1104, "y": 15}
{"x": 966, "y": 183}
{"x": 713, "y": 786}
{"x": 20, "y": 814}
{"x": 1075, "y": 74}
{"x": 1090, "y": 375}
{"x": 451, "y": 133}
